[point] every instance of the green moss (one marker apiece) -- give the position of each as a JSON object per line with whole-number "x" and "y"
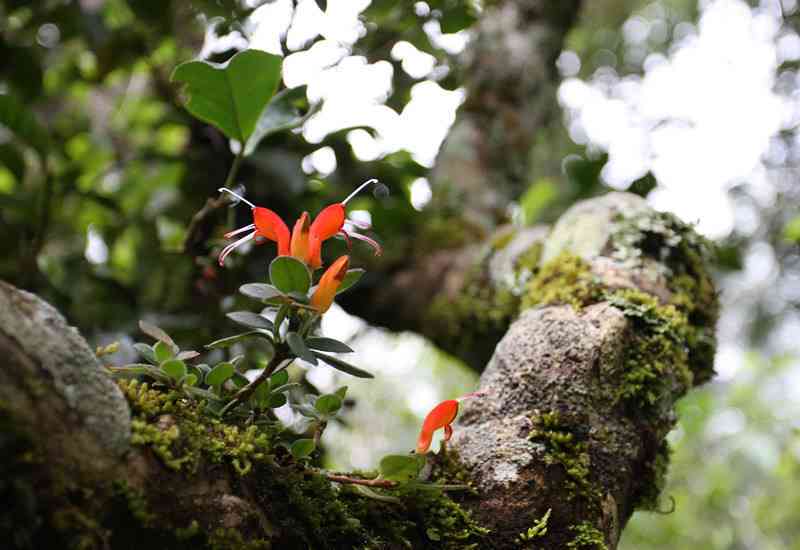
{"x": 656, "y": 361}
{"x": 565, "y": 447}
{"x": 182, "y": 436}
{"x": 566, "y": 279}
{"x": 538, "y": 529}
{"x": 587, "y": 536}
{"x": 231, "y": 539}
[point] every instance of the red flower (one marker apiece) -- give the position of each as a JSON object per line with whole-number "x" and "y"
{"x": 305, "y": 241}
{"x": 441, "y": 416}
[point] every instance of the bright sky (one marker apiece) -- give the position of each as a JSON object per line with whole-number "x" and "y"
{"x": 702, "y": 119}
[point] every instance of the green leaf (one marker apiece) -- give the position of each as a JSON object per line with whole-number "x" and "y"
{"x": 537, "y": 198}
{"x": 231, "y": 340}
{"x": 458, "y": 17}
{"x": 250, "y": 319}
{"x": 290, "y": 275}
{"x": 146, "y": 352}
{"x": 280, "y": 114}
{"x": 162, "y": 352}
{"x": 135, "y": 369}
{"x": 299, "y": 348}
{"x": 369, "y": 493}
{"x": 232, "y": 95}
{"x": 279, "y": 379}
{"x": 190, "y": 379}
{"x": 302, "y": 448}
{"x": 157, "y": 333}
{"x": 791, "y": 231}
{"x": 401, "y": 467}
{"x": 260, "y": 291}
{"x": 15, "y": 116}
{"x": 328, "y": 344}
{"x": 343, "y": 366}
{"x": 328, "y": 404}
{"x": 276, "y": 400}
{"x": 186, "y": 355}
{"x": 350, "y": 278}
{"x": 239, "y": 380}
{"x": 219, "y": 374}
{"x": 174, "y": 368}
{"x": 341, "y": 392}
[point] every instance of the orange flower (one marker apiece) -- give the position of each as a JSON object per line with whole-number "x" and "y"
{"x": 441, "y": 416}
{"x": 266, "y": 225}
{"x": 305, "y": 241}
{"x": 329, "y": 283}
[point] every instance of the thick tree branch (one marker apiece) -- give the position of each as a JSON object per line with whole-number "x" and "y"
{"x": 616, "y": 324}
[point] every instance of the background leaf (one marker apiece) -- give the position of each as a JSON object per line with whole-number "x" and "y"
{"x": 299, "y": 348}
{"x": 401, "y": 467}
{"x": 280, "y": 114}
{"x": 232, "y": 95}
{"x": 302, "y": 448}
{"x": 18, "y": 119}
{"x": 250, "y": 319}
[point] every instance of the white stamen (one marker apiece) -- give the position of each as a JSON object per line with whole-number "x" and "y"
{"x": 230, "y": 234}
{"x": 372, "y": 242}
{"x": 228, "y": 249}
{"x": 241, "y": 198}
{"x": 358, "y": 189}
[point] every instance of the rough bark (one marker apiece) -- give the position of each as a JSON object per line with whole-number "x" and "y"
{"x": 616, "y": 323}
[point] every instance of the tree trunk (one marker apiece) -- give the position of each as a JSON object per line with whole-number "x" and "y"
{"x": 616, "y": 323}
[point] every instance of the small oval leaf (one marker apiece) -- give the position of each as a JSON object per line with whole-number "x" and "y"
{"x": 250, "y": 319}
{"x": 219, "y": 374}
{"x": 328, "y": 404}
{"x": 162, "y": 352}
{"x": 277, "y": 400}
{"x": 299, "y": 348}
{"x": 146, "y": 352}
{"x": 174, "y": 368}
{"x": 290, "y": 275}
{"x": 302, "y": 448}
{"x": 279, "y": 379}
{"x": 230, "y": 340}
{"x": 350, "y": 278}
{"x": 328, "y": 344}
{"x": 157, "y": 333}
{"x": 401, "y": 467}
{"x": 343, "y": 366}
{"x": 260, "y": 291}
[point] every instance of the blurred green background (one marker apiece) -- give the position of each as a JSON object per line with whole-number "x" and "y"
{"x": 104, "y": 178}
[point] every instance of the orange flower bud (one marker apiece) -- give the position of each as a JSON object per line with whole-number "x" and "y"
{"x": 329, "y": 284}
{"x": 299, "y": 245}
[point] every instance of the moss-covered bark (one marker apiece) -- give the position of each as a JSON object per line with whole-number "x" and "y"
{"x": 611, "y": 321}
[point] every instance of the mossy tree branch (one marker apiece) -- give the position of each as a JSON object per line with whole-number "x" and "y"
{"x": 613, "y": 323}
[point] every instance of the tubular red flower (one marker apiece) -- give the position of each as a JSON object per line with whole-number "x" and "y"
{"x": 329, "y": 283}
{"x": 441, "y": 416}
{"x": 299, "y": 245}
{"x": 266, "y": 224}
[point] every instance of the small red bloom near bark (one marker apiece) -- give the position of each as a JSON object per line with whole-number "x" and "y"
{"x": 329, "y": 283}
{"x": 441, "y": 416}
{"x": 305, "y": 241}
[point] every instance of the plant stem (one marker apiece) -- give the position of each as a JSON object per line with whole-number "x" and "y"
{"x": 237, "y": 161}
{"x": 245, "y": 393}
{"x": 377, "y": 482}
{"x": 321, "y": 425}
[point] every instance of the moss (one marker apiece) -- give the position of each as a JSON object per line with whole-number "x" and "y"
{"x": 231, "y": 539}
{"x": 656, "y": 361}
{"x": 182, "y": 436}
{"x": 565, "y": 446}
{"x": 682, "y": 257}
{"x": 566, "y": 279}
{"x": 538, "y": 529}
{"x": 587, "y": 536}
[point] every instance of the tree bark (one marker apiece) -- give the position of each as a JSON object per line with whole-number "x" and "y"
{"x": 616, "y": 324}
